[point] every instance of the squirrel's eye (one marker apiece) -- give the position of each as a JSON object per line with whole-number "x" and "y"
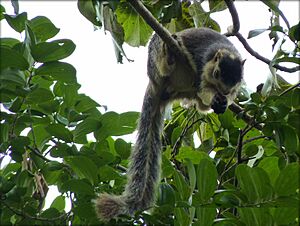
{"x": 216, "y": 74}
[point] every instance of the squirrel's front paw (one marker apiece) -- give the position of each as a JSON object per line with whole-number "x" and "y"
{"x": 219, "y": 104}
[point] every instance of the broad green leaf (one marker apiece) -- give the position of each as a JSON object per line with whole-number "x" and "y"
{"x": 58, "y": 71}
{"x": 43, "y": 28}
{"x": 9, "y": 76}
{"x": 84, "y": 167}
{"x": 39, "y": 95}
{"x": 81, "y": 187}
{"x": 87, "y": 9}
{"x": 123, "y": 148}
{"x": 12, "y": 58}
{"x": 206, "y": 179}
{"x": 137, "y": 31}
{"x": 182, "y": 187}
{"x": 85, "y": 103}
{"x": 113, "y": 124}
{"x": 287, "y": 182}
{"x": 59, "y": 131}
{"x": 286, "y": 216}
{"x": 52, "y": 51}
{"x": 166, "y": 195}
{"x": 58, "y": 203}
{"x": 108, "y": 173}
{"x": 4, "y": 131}
{"x": 192, "y": 174}
{"x": 254, "y": 183}
{"x": 205, "y": 215}
{"x": 294, "y": 32}
{"x": 288, "y": 138}
{"x": 9, "y": 42}
{"x": 270, "y": 165}
{"x": 226, "y": 198}
{"x": 181, "y": 217}
{"x": 85, "y": 127}
{"x": 226, "y": 119}
{"x": 17, "y": 22}
{"x": 189, "y": 153}
{"x": 255, "y": 216}
{"x": 217, "y": 5}
{"x": 2, "y": 11}
{"x": 50, "y": 213}
{"x": 40, "y": 135}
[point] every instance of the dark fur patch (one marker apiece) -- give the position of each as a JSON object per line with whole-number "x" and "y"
{"x": 231, "y": 70}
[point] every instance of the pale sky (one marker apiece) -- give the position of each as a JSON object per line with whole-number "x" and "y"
{"x": 121, "y": 86}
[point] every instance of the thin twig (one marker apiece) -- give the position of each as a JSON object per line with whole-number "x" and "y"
{"x": 246, "y": 117}
{"x": 255, "y": 138}
{"x": 289, "y": 89}
{"x": 38, "y": 153}
{"x": 25, "y": 215}
{"x": 261, "y": 58}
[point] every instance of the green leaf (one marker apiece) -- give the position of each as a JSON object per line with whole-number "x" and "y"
{"x": 189, "y": 153}
{"x": 137, "y": 31}
{"x": 166, "y": 195}
{"x": 84, "y": 167}
{"x": 10, "y": 76}
{"x": 286, "y": 216}
{"x": 85, "y": 103}
{"x": 2, "y": 11}
{"x": 17, "y": 22}
{"x": 113, "y": 124}
{"x": 59, "y": 131}
{"x": 294, "y": 32}
{"x": 182, "y": 186}
{"x": 226, "y": 119}
{"x": 270, "y": 165}
{"x": 58, "y": 71}
{"x": 122, "y": 148}
{"x": 43, "y": 28}
{"x": 287, "y": 182}
{"x": 52, "y": 51}
{"x": 255, "y": 32}
{"x": 217, "y": 5}
{"x": 12, "y": 59}
{"x": 255, "y": 216}
{"x": 206, "y": 216}
{"x": 108, "y": 173}
{"x": 85, "y": 127}
{"x": 87, "y": 9}
{"x": 254, "y": 183}
{"x": 39, "y": 95}
{"x": 59, "y": 203}
{"x": 9, "y": 42}
{"x": 206, "y": 179}
{"x": 192, "y": 174}
{"x": 77, "y": 186}
{"x": 288, "y": 138}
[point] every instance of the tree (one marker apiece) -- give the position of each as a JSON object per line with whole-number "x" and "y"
{"x": 245, "y": 172}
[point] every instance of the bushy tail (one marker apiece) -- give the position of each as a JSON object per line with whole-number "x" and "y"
{"x": 143, "y": 172}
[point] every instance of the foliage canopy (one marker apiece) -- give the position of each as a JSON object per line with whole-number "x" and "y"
{"x": 241, "y": 174}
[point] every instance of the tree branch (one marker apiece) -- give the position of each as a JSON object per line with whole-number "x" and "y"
{"x": 290, "y": 88}
{"x": 246, "y": 117}
{"x": 162, "y": 32}
{"x": 232, "y": 30}
{"x": 261, "y": 58}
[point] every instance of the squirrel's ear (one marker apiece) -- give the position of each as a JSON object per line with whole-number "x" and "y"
{"x": 218, "y": 55}
{"x": 243, "y": 61}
